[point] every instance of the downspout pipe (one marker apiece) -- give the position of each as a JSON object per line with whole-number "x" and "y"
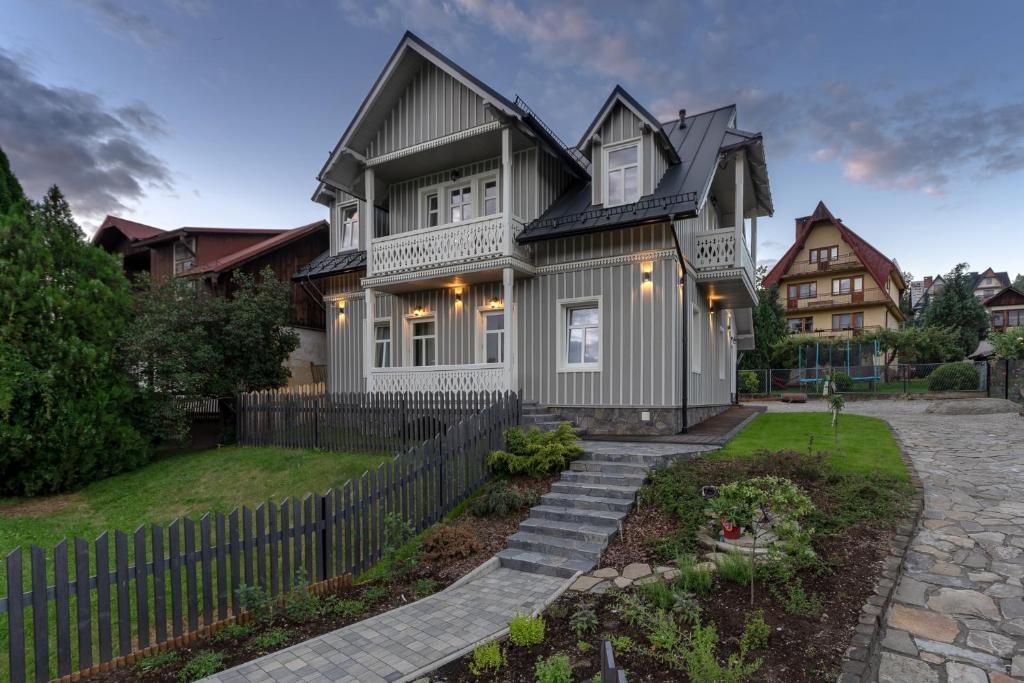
{"x": 683, "y": 384}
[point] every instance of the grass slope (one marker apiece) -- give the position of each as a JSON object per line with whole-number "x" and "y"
{"x": 865, "y": 444}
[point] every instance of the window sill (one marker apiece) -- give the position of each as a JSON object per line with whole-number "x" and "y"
{"x": 578, "y": 368}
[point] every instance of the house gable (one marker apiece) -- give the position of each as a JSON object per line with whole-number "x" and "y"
{"x": 1009, "y": 296}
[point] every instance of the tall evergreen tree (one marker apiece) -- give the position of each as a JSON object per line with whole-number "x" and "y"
{"x": 769, "y": 325}
{"x": 1018, "y": 283}
{"x": 956, "y": 307}
{"x": 10, "y": 189}
{"x": 67, "y": 405}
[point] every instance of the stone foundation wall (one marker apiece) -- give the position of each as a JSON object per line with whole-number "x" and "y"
{"x": 697, "y": 414}
{"x": 630, "y": 421}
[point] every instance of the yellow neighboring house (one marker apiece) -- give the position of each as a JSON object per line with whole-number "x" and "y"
{"x": 832, "y": 283}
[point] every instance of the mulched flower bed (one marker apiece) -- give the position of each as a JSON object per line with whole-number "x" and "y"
{"x": 490, "y": 532}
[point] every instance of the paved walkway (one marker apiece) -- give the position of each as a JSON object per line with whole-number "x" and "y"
{"x": 397, "y": 645}
{"x": 958, "y": 612}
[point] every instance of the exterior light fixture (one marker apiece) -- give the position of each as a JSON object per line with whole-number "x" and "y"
{"x": 646, "y": 279}
{"x": 495, "y": 302}
{"x": 458, "y": 295}
{"x": 418, "y": 311}
{"x": 341, "y": 309}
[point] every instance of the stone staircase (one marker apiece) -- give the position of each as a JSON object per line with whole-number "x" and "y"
{"x": 543, "y": 418}
{"x": 574, "y": 523}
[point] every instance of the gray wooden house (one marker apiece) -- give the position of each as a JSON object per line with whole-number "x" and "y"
{"x": 471, "y": 249}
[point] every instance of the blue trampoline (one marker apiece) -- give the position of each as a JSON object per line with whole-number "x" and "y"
{"x": 847, "y": 358}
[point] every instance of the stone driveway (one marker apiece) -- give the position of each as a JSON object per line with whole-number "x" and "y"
{"x": 396, "y": 645}
{"x": 958, "y": 612}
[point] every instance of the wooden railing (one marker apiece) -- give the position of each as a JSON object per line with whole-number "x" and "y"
{"x": 718, "y": 250}
{"x": 840, "y": 263}
{"x": 475, "y": 240}
{"x": 443, "y": 378}
{"x": 866, "y": 296}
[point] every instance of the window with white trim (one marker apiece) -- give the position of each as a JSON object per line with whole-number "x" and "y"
{"x": 492, "y": 336}
{"x": 460, "y": 204}
{"x": 382, "y": 345}
{"x": 696, "y": 339}
{"x": 622, "y": 174}
{"x": 424, "y": 342}
{"x": 431, "y": 210}
{"x": 348, "y": 234}
{"x": 490, "y": 197}
{"x": 583, "y": 335}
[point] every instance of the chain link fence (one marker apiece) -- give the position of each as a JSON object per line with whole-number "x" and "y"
{"x": 920, "y": 378}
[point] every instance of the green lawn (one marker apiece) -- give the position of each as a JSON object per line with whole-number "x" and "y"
{"x": 865, "y": 444}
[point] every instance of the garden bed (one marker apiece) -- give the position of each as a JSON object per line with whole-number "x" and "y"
{"x": 808, "y": 628}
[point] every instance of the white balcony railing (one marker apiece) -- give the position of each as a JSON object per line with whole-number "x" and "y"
{"x": 480, "y": 239}
{"x": 718, "y": 250}
{"x": 479, "y": 377}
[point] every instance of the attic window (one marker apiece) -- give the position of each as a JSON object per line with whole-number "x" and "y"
{"x": 622, "y": 178}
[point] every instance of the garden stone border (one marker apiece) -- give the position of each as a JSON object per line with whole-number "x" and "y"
{"x": 856, "y": 666}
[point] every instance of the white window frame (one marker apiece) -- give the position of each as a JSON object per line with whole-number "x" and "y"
{"x": 696, "y": 339}
{"x": 562, "y": 308}
{"x": 409, "y": 355}
{"x": 425, "y": 194}
{"x": 475, "y": 182}
{"x": 483, "y": 312}
{"x": 389, "y": 343}
{"x": 340, "y": 240}
{"x": 481, "y": 181}
{"x": 462, "y": 185}
{"x": 606, "y": 170}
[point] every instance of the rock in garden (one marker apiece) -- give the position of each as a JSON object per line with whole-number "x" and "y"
{"x": 900, "y": 669}
{"x": 646, "y": 580}
{"x": 636, "y": 570}
{"x": 584, "y": 583}
{"x": 923, "y": 623}
{"x": 622, "y": 582}
{"x": 606, "y": 573}
{"x": 953, "y": 601}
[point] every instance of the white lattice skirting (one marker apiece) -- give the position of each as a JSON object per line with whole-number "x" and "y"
{"x": 438, "y": 378}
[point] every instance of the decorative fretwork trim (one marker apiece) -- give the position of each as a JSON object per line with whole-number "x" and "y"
{"x": 453, "y": 269}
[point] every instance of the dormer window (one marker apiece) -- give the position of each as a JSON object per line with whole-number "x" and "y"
{"x": 348, "y": 237}
{"x": 622, "y": 177}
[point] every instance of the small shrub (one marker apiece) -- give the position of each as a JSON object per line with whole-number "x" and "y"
{"x": 397, "y": 532}
{"x": 788, "y": 464}
{"x": 202, "y": 665}
{"x": 372, "y": 594}
{"x": 736, "y": 568}
{"x": 621, "y": 644}
{"x": 271, "y": 639}
{"x": 536, "y": 453}
{"x": 632, "y": 609}
{"x": 749, "y": 382}
{"x": 755, "y": 632}
{"x": 795, "y": 600}
{"x": 583, "y": 646}
{"x": 554, "y": 669}
{"x": 257, "y": 601}
{"x": 658, "y": 594}
{"x": 157, "y": 661}
{"x": 336, "y": 606}
{"x": 583, "y": 621}
{"x": 232, "y": 631}
{"x": 702, "y": 664}
{"x": 501, "y": 499}
{"x": 558, "y": 610}
{"x": 686, "y": 607}
{"x": 693, "y": 579}
{"x": 447, "y": 543}
{"x": 665, "y": 638}
{"x": 954, "y": 377}
{"x": 842, "y": 381}
{"x": 524, "y": 630}
{"x": 424, "y": 587}
{"x": 299, "y": 604}
{"x": 487, "y": 659}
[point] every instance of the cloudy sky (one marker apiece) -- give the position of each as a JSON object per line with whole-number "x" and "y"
{"x": 906, "y": 118}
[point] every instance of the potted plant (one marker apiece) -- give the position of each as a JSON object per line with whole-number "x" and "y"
{"x": 731, "y": 530}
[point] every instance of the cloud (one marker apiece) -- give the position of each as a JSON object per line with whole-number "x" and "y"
{"x": 118, "y": 19}
{"x": 98, "y": 155}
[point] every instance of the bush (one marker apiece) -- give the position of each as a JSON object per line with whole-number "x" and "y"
{"x": 583, "y": 621}
{"x": 450, "y": 543}
{"x": 536, "y": 453}
{"x": 256, "y": 600}
{"x": 501, "y": 499}
{"x": 157, "y": 661}
{"x": 736, "y": 568}
{"x": 954, "y": 377}
{"x": 621, "y": 644}
{"x": 755, "y": 632}
{"x": 272, "y": 639}
{"x": 202, "y": 665}
{"x": 524, "y": 630}
{"x": 554, "y": 669}
{"x": 424, "y": 587}
{"x": 232, "y": 631}
{"x": 842, "y": 381}
{"x": 658, "y": 594}
{"x": 702, "y": 663}
{"x": 337, "y": 607}
{"x": 691, "y": 578}
{"x": 676, "y": 490}
{"x": 299, "y": 604}
{"x": 372, "y": 594}
{"x": 487, "y": 659}
{"x": 749, "y": 382}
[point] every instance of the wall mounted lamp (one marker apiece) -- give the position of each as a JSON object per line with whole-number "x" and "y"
{"x": 495, "y": 302}
{"x": 418, "y": 311}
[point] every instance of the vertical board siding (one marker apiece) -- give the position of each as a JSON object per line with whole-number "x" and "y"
{"x": 620, "y": 124}
{"x": 432, "y": 105}
{"x": 525, "y": 186}
{"x": 552, "y": 180}
{"x": 686, "y": 230}
{"x": 604, "y": 244}
{"x": 640, "y": 338}
{"x": 404, "y": 197}
{"x": 706, "y": 388}
{"x": 344, "y": 335}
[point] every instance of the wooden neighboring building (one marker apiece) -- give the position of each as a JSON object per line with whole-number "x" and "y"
{"x": 1006, "y": 309}
{"x": 120, "y": 236}
{"x": 833, "y": 283}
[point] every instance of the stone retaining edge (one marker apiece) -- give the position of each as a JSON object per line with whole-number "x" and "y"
{"x": 858, "y": 665}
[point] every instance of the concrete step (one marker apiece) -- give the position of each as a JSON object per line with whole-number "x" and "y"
{"x": 555, "y": 545}
{"x": 605, "y": 478}
{"x": 582, "y": 517}
{"x": 580, "y": 531}
{"x": 608, "y": 467}
{"x": 627, "y": 493}
{"x": 585, "y": 502}
{"x": 628, "y": 458}
{"x": 543, "y": 563}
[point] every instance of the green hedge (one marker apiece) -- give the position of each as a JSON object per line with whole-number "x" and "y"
{"x": 954, "y": 377}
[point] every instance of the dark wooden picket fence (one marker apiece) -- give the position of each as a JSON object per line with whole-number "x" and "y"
{"x": 308, "y": 417}
{"x": 159, "y": 583}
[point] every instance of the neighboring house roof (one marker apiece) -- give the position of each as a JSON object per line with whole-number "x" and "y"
{"x": 169, "y": 235}
{"x": 326, "y": 265}
{"x": 878, "y": 264}
{"x": 1002, "y": 277}
{"x": 699, "y": 143}
{"x": 1007, "y": 296}
{"x": 130, "y": 229}
{"x": 242, "y": 256}
{"x": 620, "y": 96}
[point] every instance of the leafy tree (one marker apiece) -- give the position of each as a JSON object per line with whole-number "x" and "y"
{"x": 1018, "y": 283}
{"x": 906, "y": 305}
{"x": 67, "y": 408}
{"x": 917, "y": 344}
{"x": 184, "y": 341}
{"x": 1009, "y": 344}
{"x": 956, "y": 307}
{"x": 769, "y": 325}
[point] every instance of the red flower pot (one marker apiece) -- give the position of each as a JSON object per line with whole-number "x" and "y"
{"x": 730, "y": 531}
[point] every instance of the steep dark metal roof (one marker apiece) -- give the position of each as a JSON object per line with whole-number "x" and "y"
{"x": 698, "y": 143}
{"x": 326, "y": 265}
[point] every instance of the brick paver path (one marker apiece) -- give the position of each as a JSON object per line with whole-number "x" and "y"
{"x": 958, "y": 612}
{"x": 394, "y": 646}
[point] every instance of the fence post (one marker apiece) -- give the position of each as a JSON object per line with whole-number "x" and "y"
{"x": 1006, "y": 378}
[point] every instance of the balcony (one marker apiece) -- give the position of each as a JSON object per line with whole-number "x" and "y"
{"x": 838, "y": 333}
{"x": 474, "y": 245}
{"x": 843, "y": 262}
{"x": 866, "y": 296}
{"x": 450, "y": 378}
{"x": 725, "y": 267}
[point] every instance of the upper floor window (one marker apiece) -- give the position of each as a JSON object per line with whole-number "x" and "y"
{"x": 824, "y": 254}
{"x": 622, "y": 177}
{"x": 432, "y": 210}
{"x": 806, "y": 290}
{"x": 490, "y": 193}
{"x": 800, "y": 324}
{"x": 848, "y": 321}
{"x": 460, "y": 204}
{"x": 184, "y": 254}
{"x": 348, "y": 236}
{"x": 845, "y": 285}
